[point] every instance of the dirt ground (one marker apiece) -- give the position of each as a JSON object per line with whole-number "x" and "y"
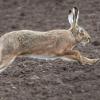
{"x": 35, "y": 79}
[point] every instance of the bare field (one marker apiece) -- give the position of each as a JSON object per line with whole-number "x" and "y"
{"x": 35, "y": 79}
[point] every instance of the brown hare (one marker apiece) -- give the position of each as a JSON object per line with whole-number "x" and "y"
{"x": 58, "y": 43}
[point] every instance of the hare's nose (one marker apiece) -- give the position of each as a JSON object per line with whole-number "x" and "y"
{"x": 89, "y": 38}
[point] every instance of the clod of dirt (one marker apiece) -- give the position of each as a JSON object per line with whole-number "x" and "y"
{"x": 15, "y": 3}
{"x": 13, "y": 27}
{"x": 5, "y": 0}
{"x": 64, "y": 68}
{"x": 22, "y": 14}
{"x": 96, "y": 43}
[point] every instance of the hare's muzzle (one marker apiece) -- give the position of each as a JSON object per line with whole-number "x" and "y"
{"x": 89, "y": 39}
{"x": 86, "y": 40}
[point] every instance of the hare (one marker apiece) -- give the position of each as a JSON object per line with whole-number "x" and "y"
{"x": 58, "y": 42}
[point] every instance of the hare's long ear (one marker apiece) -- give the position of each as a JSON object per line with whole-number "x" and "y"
{"x": 73, "y": 17}
{"x": 76, "y": 15}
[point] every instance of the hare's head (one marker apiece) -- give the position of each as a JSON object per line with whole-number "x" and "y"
{"x": 81, "y": 35}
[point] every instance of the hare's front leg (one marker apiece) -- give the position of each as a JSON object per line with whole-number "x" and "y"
{"x": 76, "y": 55}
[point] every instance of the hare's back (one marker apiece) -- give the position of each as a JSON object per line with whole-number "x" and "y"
{"x": 19, "y": 39}
{"x": 26, "y": 39}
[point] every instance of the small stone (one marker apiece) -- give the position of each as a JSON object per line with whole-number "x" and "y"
{"x": 97, "y": 72}
{"x": 96, "y": 43}
{"x": 34, "y": 77}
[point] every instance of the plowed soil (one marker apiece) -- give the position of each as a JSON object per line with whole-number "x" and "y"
{"x": 36, "y": 79}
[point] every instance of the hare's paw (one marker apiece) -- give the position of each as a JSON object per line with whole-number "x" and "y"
{"x": 96, "y": 60}
{"x": 90, "y": 61}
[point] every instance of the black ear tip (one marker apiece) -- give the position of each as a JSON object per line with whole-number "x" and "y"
{"x": 76, "y": 8}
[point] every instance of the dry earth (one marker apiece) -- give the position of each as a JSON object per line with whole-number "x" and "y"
{"x": 34, "y": 79}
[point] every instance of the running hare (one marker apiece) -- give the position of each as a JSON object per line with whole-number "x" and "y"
{"x": 58, "y": 43}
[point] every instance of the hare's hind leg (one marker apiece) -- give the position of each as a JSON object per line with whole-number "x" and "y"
{"x": 5, "y": 61}
{"x": 75, "y": 55}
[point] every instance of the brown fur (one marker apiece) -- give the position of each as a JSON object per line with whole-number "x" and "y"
{"x": 50, "y": 43}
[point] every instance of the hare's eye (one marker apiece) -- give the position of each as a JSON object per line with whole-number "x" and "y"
{"x": 81, "y": 31}
{"x": 82, "y": 34}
